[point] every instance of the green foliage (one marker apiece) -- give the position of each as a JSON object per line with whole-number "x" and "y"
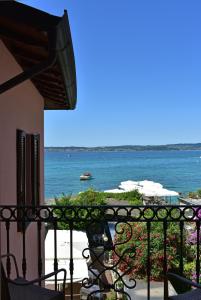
{"x": 199, "y": 193}
{"x": 189, "y": 267}
{"x": 87, "y": 198}
{"x": 90, "y": 198}
{"x": 64, "y": 200}
{"x": 113, "y": 296}
{"x": 195, "y": 195}
{"x": 133, "y": 197}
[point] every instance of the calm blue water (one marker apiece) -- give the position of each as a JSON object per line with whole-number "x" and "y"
{"x": 176, "y": 170}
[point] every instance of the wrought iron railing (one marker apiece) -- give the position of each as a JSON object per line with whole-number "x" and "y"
{"x": 111, "y": 245}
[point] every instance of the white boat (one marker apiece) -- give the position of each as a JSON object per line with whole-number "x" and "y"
{"x": 86, "y": 176}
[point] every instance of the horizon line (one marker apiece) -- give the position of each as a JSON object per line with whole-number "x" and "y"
{"x": 125, "y": 145}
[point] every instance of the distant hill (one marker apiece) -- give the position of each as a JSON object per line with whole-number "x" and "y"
{"x": 127, "y": 148}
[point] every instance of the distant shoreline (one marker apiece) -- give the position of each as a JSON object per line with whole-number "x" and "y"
{"x": 128, "y": 148}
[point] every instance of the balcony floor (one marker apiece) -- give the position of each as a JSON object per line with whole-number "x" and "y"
{"x": 156, "y": 290}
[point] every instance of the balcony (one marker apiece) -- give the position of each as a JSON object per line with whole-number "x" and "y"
{"x": 128, "y": 253}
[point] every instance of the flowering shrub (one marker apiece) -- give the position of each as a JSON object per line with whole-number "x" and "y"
{"x": 131, "y": 249}
{"x": 192, "y": 239}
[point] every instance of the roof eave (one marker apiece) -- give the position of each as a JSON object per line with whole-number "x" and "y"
{"x": 66, "y": 60}
{"x": 63, "y": 48}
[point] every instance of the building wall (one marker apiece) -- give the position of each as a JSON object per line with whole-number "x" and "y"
{"x": 20, "y": 108}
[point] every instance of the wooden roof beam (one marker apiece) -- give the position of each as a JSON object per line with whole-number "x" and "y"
{"x": 49, "y": 98}
{"x": 29, "y": 62}
{"x": 24, "y": 32}
{"x": 4, "y": 33}
{"x": 38, "y": 54}
{"x": 14, "y": 44}
{"x": 49, "y": 76}
{"x": 56, "y": 104}
{"x": 56, "y": 95}
{"x": 51, "y": 85}
{"x": 46, "y": 88}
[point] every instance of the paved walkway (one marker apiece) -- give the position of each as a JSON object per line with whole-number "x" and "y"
{"x": 156, "y": 291}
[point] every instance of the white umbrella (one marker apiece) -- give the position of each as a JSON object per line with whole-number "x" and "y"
{"x": 146, "y": 187}
{"x": 167, "y": 193}
{"x": 116, "y": 191}
{"x": 150, "y": 184}
{"x": 129, "y": 185}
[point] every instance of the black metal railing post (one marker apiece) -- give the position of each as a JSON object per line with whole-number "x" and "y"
{"x": 71, "y": 265}
{"x": 181, "y": 260}
{"x": 55, "y": 253}
{"x": 24, "y": 262}
{"x": 198, "y": 251}
{"x": 165, "y": 260}
{"x": 135, "y": 233}
{"x": 148, "y": 259}
{"x": 8, "y": 264}
{"x": 40, "y": 263}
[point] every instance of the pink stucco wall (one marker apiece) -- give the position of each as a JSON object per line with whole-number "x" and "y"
{"x": 20, "y": 108}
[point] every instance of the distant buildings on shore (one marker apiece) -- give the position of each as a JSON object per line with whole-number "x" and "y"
{"x": 126, "y": 148}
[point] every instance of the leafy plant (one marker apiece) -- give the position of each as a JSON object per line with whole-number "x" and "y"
{"x": 88, "y": 198}
{"x": 132, "y": 249}
{"x": 91, "y": 198}
{"x": 113, "y": 296}
{"x": 133, "y": 197}
{"x": 188, "y": 269}
{"x": 199, "y": 193}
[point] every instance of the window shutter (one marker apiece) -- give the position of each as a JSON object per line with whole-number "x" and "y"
{"x": 21, "y": 158}
{"x": 28, "y": 167}
{"x": 35, "y": 169}
{"x": 28, "y": 170}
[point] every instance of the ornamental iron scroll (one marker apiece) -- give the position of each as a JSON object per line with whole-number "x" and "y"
{"x": 108, "y": 252}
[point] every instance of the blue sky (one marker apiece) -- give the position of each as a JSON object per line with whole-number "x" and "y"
{"x": 138, "y": 65}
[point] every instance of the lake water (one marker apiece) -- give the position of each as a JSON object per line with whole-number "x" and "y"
{"x": 176, "y": 170}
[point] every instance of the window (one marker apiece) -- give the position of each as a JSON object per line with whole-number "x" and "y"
{"x": 28, "y": 169}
